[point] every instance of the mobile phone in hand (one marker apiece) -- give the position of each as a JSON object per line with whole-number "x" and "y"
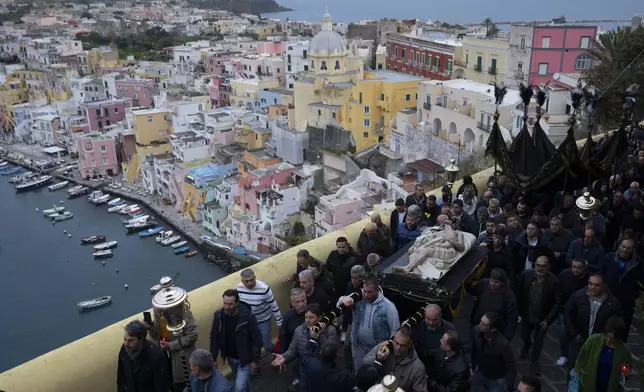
{"x": 147, "y": 318}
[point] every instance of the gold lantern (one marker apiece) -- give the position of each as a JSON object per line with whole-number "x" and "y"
{"x": 171, "y": 303}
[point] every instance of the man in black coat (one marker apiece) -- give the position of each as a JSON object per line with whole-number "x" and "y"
{"x": 142, "y": 366}
{"x": 559, "y": 239}
{"x": 339, "y": 263}
{"x": 494, "y": 295}
{"x": 236, "y": 335}
{"x": 587, "y": 311}
{"x": 568, "y": 282}
{"x": 372, "y": 240}
{"x": 291, "y": 320}
{"x": 432, "y": 211}
{"x": 427, "y": 338}
{"x": 396, "y": 219}
{"x": 615, "y": 212}
{"x": 418, "y": 197}
{"x": 324, "y": 374}
{"x": 453, "y": 374}
{"x": 464, "y": 222}
{"x": 530, "y": 244}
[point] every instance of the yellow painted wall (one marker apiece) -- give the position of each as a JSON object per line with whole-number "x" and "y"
{"x": 193, "y": 197}
{"x": 131, "y": 169}
{"x": 13, "y": 96}
{"x": 152, "y": 127}
{"x": 487, "y": 49}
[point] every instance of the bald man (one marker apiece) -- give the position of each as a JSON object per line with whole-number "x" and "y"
{"x": 386, "y": 230}
{"x": 373, "y": 240}
{"x": 427, "y": 337}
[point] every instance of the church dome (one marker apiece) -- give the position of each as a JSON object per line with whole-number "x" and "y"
{"x": 327, "y": 42}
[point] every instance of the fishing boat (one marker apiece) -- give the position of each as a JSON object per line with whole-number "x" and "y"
{"x": 106, "y": 245}
{"x": 95, "y": 239}
{"x": 151, "y": 232}
{"x": 171, "y": 240}
{"x": 3, "y": 163}
{"x": 101, "y": 199}
{"x": 33, "y": 184}
{"x": 94, "y": 303}
{"x": 22, "y": 177}
{"x": 134, "y": 216}
{"x": 114, "y": 202}
{"x": 193, "y": 252}
{"x": 10, "y": 170}
{"x": 163, "y": 235}
{"x": 81, "y": 191}
{"x": 140, "y": 226}
{"x": 103, "y": 254}
{"x": 53, "y": 211}
{"x": 74, "y": 189}
{"x": 179, "y": 244}
{"x": 64, "y": 216}
{"x": 116, "y": 208}
{"x": 95, "y": 195}
{"x": 140, "y": 219}
{"x": 129, "y": 208}
{"x": 138, "y": 211}
{"x": 181, "y": 250}
{"x": 58, "y": 186}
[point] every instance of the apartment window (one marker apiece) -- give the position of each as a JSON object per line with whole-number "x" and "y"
{"x": 105, "y": 161}
{"x": 100, "y": 124}
{"x": 116, "y": 110}
{"x": 304, "y": 53}
{"x": 543, "y": 68}
{"x": 585, "y": 42}
{"x": 411, "y": 55}
{"x": 467, "y": 59}
{"x": 520, "y": 66}
{"x": 367, "y": 109}
{"x": 428, "y": 60}
{"x": 382, "y": 96}
{"x": 98, "y": 112}
{"x": 450, "y": 66}
{"x": 380, "y": 66}
{"x": 395, "y": 69}
{"x": 545, "y": 42}
{"x": 365, "y": 135}
{"x": 407, "y": 97}
{"x": 290, "y": 85}
{"x": 288, "y": 57}
{"x": 404, "y": 70}
{"x": 493, "y": 66}
{"x": 312, "y": 65}
{"x": 583, "y": 62}
{"x": 437, "y": 64}
{"x": 522, "y": 43}
{"x": 333, "y": 114}
{"x": 319, "y": 112}
{"x": 360, "y": 98}
{"x": 395, "y": 52}
{"x": 337, "y": 65}
{"x": 288, "y": 68}
{"x": 103, "y": 148}
{"x": 404, "y": 52}
{"x": 422, "y": 58}
{"x": 106, "y": 111}
{"x": 366, "y": 123}
{"x": 108, "y": 123}
{"x": 306, "y": 68}
{"x": 149, "y": 119}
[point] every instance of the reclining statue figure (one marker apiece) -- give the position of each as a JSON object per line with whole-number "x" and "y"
{"x": 437, "y": 249}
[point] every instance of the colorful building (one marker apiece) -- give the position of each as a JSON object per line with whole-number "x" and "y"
{"x": 97, "y": 155}
{"x": 105, "y": 113}
{"x": 483, "y": 60}
{"x": 199, "y": 187}
{"x": 245, "y": 92}
{"x": 152, "y": 129}
{"x": 140, "y": 91}
{"x": 256, "y": 159}
{"x": 422, "y": 56}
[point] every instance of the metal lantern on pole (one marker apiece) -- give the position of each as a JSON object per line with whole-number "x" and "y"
{"x": 587, "y": 205}
{"x": 451, "y": 174}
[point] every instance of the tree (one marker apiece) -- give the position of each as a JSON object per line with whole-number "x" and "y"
{"x": 617, "y": 63}
{"x": 374, "y": 55}
{"x": 490, "y": 28}
{"x": 86, "y": 15}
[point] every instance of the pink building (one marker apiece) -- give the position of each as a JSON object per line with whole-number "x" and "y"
{"x": 254, "y": 66}
{"x": 219, "y": 90}
{"x": 257, "y": 182}
{"x": 271, "y": 47}
{"x": 104, "y": 113}
{"x": 560, "y": 48}
{"x": 216, "y": 63}
{"x": 140, "y": 91}
{"x": 97, "y": 155}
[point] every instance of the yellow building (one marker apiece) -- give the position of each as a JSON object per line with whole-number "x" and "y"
{"x": 152, "y": 130}
{"x": 246, "y": 91}
{"x": 12, "y": 93}
{"x": 102, "y": 57}
{"x": 371, "y": 110}
{"x": 224, "y": 26}
{"x": 251, "y": 135}
{"x": 482, "y": 60}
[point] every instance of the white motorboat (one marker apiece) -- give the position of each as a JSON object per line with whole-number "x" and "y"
{"x": 179, "y": 244}
{"x": 103, "y": 254}
{"x": 95, "y": 195}
{"x": 164, "y": 235}
{"x": 171, "y": 240}
{"x": 74, "y": 189}
{"x": 140, "y": 219}
{"x": 33, "y": 183}
{"x": 127, "y": 209}
{"x": 94, "y": 303}
{"x": 101, "y": 199}
{"x": 53, "y": 211}
{"x": 22, "y": 177}
{"x": 106, "y": 245}
{"x": 3, "y": 164}
{"x": 64, "y": 216}
{"x": 116, "y": 208}
{"x": 114, "y": 202}
{"x": 58, "y": 186}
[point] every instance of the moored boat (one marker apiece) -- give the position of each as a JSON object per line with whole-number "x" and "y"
{"x": 140, "y": 219}
{"x": 151, "y": 232}
{"x": 163, "y": 235}
{"x": 101, "y": 199}
{"x": 58, "y": 186}
{"x": 140, "y": 226}
{"x": 129, "y": 208}
{"x": 33, "y": 184}
{"x": 103, "y": 254}
{"x": 179, "y": 244}
{"x": 106, "y": 245}
{"x": 193, "y": 252}
{"x": 171, "y": 240}
{"x": 81, "y": 191}
{"x": 10, "y": 170}
{"x": 181, "y": 250}
{"x": 95, "y": 195}
{"x": 94, "y": 303}
{"x": 116, "y": 208}
{"x": 64, "y": 216}
{"x": 95, "y": 239}
{"x": 3, "y": 163}
{"x": 74, "y": 189}
{"x": 22, "y": 177}
{"x": 114, "y": 202}
{"x": 53, "y": 211}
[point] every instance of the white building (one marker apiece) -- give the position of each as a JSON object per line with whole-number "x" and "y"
{"x": 518, "y": 62}
{"x": 296, "y": 61}
{"x": 189, "y": 146}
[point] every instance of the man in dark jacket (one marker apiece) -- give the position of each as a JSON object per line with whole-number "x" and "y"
{"x": 236, "y": 335}
{"x": 587, "y": 311}
{"x": 314, "y": 294}
{"x": 495, "y": 296}
{"x": 453, "y": 374}
{"x": 559, "y": 239}
{"x": 340, "y": 262}
{"x": 566, "y": 211}
{"x": 588, "y": 249}
{"x": 624, "y": 276}
{"x": 396, "y": 219}
{"x": 293, "y": 318}
{"x": 432, "y": 211}
{"x": 529, "y": 244}
{"x": 427, "y": 338}
{"x": 568, "y": 282}
{"x": 615, "y": 213}
{"x": 490, "y": 357}
{"x": 539, "y": 305}
{"x": 464, "y": 222}
{"x": 418, "y": 197}
{"x": 142, "y": 366}
{"x": 498, "y": 255}
{"x": 372, "y": 240}
{"x": 323, "y": 278}
{"x": 635, "y": 222}
{"x": 324, "y": 374}
{"x": 409, "y": 230}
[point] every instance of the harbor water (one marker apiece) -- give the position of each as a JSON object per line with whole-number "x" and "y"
{"x": 45, "y": 273}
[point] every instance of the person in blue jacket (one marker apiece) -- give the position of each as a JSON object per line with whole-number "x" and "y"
{"x": 204, "y": 376}
{"x": 409, "y": 230}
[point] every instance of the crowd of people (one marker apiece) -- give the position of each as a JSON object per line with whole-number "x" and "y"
{"x": 546, "y": 264}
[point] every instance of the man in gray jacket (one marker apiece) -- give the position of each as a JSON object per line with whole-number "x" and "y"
{"x": 404, "y": 364}
{"x": 375, "y": 319}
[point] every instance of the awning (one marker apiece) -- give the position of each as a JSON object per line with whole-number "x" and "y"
{"x": 53, "y": 150}
{"x": 426, "y": 166}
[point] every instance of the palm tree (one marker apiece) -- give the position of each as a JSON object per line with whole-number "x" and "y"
{"x": 488, "y": 22}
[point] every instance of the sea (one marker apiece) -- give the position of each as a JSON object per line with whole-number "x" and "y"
{"x": 458, "y": 11}
{"x": 44, "y": 273}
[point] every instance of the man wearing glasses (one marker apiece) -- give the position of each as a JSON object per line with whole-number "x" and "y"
{"x": 539, "y": 303}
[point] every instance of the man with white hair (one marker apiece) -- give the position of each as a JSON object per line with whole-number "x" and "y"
{"x": 313, "y": 295}
{"x": 204, "y": 376}
{"x": 386, "y": 230}
{"x": 372, "y": 240}
{"x": 259, "y": 296}
{"x": 633, "y": 192}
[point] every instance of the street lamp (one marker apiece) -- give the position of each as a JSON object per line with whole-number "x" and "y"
{"x": 451, "y": 173}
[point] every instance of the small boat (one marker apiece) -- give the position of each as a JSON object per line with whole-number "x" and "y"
{"x": 140, "y": 219}
{"x": 103, "y": 254}
{"x": 3, "y": 164}
{"x": 53, "y": 211}
{"x": 101, "y": 199}
{"x": 81, "y": 191}
{"x": 181, "y": 250}
{"x": 163, "y": 235}
{"x": 140, "y": 226}
{"x": 94, "y": 303}
{"x": 23, "y": 177}
{"x": 151, "y": 232}
{"x": 179, "y": 244}
{"x": 193, "y": 252}
{"x": 106, "y": 245}
{"x": 58, "y": 186}
{"x": 134, "y": 216}
{"x": 74, "y": 189}
{"x": 171, "y": 240}
{"x": 129, "y": 208}
{"x": 10, "y": 170}
{"x": 116, "y": 208}
{"x": 114, "y": 202}
{"x": 95, "y": 195}
{"x": 95, "y": 239}
{"x": 33, "y": 184}
{"x": 138, "y": 211}
{"x": 64, "y": 216}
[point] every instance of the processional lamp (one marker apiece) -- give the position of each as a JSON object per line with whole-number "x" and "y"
{"x": 389, "y": 383}
{"x": 587, "y": 205}
{"x": 451, "y": 173}
{"x": 171, "y": 303}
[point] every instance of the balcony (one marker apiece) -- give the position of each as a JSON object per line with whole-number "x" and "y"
{"x": 461, "y": 64}
{"x": 484, "y": 126}
{"x": 427, "y": 105}
{"x": 492, "y": 70}
{"x": 519, "y": 74}
{"x": 478, "y": 68}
